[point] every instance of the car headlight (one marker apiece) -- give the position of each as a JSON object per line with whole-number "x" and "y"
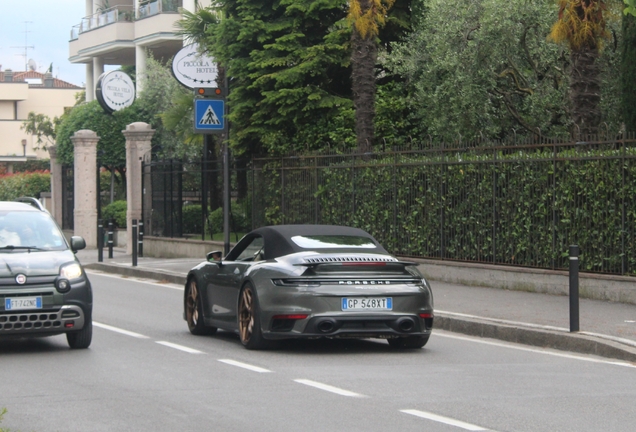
{"x": 71, "y": 271}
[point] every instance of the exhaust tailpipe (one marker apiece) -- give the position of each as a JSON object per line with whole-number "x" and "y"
{"x": 406, "y": 324}
{"x": 326, "y": 326}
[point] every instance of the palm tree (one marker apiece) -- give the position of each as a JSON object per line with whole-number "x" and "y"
{"x": 581, "y": 24}
{"x": 366, "y": 17}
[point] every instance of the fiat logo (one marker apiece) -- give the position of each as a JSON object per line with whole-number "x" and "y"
{"x": 20, "y": 279}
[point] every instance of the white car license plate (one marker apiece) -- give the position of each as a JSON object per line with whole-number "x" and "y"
{"x": 22, "y": 303}
{"x": 374, "y": 303}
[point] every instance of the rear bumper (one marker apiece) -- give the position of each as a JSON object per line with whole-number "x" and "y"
{"x": 339, "y": 326}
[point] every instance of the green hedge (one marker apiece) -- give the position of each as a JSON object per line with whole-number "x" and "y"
{"x": 117, "y": 211}
{"x": 192, "y": 219}
{"x": 518, "y": 208}
{"x": 29, "y": 184}
{"x": 240, "y": 219}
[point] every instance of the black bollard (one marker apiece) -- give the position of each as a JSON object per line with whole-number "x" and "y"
{"x": 574, "y": 288}
{"x": 100, "y": 241}
{"x": 141, "y": 238}
{"x": 110, "y": 238}
{"x": 134, "y": 242}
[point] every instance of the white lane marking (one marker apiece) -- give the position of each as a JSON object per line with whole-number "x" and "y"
{"x": 445, "y": 420}
{"x": 244, "y": 365}
{"x": 139, "y": 280}
{"x": 179, "y": 347}
{"x": 118, "y": 330}
{"x": 328, "y": 388}
{"x": 533, "y": 350}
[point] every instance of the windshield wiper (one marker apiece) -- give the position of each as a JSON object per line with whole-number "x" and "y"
{"x": 12, "y": 247}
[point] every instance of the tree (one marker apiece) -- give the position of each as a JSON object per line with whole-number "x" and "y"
{"x": 287, "y": 64}
{"x": 581, "y": 25}
{"x": 628, "y": 70}
{"x": 366, "y": 17}
{"x": 167, "y": 106}
{"x": 481, "y": 69}
{"x": 42, "y": 127}
{"x": 111, "y": 146}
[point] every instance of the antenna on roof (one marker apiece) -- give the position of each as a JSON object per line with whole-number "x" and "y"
{"x": 26, "y": 46}
{"x": 32, "y": 65}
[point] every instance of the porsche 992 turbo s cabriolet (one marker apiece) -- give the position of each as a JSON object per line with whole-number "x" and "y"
{"x": 309, "y": 281}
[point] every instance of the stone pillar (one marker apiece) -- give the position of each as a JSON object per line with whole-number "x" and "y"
{"x": 138, "y": 136}
{"x": 85, "y": 185}
{"x": 56, "y": 186}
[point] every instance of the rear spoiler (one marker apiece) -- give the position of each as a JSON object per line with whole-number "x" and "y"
{"x": 356, "y": 263}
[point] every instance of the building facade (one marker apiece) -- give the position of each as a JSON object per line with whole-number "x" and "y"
{"x": 20, "y": 94}
{"x": 124, "y": 32}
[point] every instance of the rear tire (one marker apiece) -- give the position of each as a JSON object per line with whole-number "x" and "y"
{"x": 193, "y": 308}
{"x": 408, "y": 342}
{"x": 249, "y": 323}
{"x": 81, "y": 339}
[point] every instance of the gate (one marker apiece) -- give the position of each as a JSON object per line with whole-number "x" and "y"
{"x": 68, "y": 199}
{"x": 184, "y": 199}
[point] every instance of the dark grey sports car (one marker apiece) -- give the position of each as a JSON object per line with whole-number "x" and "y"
{"x": 309, "y": 281}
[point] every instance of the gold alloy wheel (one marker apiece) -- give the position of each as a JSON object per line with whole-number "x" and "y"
{"x": 246, "y": 314}
{"x": 192, "y": 311}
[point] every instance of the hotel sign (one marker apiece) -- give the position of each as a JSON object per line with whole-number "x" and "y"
{"x": 193, "y": 69}
{"x": 115, "y": 90}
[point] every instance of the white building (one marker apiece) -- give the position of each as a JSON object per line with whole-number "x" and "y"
{"x": 120, "y": 32}
{"x": 21, "y": 93}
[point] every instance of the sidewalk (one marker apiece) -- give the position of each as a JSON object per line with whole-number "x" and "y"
{"x": 607, "y": 329}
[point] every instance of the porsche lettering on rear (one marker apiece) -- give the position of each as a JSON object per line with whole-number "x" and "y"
{"x": 365, "y": 282}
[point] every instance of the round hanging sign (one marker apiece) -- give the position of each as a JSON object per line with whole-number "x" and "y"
{"x": 193, "y": 69}
{"x": 115, "y": 90}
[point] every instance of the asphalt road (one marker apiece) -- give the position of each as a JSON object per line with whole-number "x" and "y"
{"x": 145, "y": 372}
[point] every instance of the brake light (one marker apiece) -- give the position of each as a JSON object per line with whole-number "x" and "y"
{"x": 291, "y": 317}
{"x": 69, "y": 324}
{"x": 426, "y": 315}
{"x": 379, "y": 263}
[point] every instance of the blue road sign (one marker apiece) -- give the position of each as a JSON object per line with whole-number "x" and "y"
{"x": 209, "y": 115}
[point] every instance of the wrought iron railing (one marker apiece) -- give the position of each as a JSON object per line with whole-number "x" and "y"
{"x": 520, "y": 203}
{"x": 517, "y": 204}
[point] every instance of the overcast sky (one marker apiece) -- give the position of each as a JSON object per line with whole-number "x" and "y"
{"x": 47, "y": 24}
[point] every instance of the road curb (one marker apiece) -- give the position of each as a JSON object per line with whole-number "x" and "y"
{"x": 562, "y": 341}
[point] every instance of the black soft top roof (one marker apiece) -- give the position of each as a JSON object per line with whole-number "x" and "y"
{"x": 278, "y": 241}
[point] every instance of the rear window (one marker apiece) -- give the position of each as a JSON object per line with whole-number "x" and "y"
{"x": 333, "y": 242}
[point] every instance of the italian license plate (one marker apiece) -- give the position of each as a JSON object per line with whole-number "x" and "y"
{"x": 372, "y": 303}
{"x": 22, "y": 303}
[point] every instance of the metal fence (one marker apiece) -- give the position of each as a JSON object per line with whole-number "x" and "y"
{"x": 68, "y": 200}
{"x": 518, "y": 203}
{"x": 184, "y": 199}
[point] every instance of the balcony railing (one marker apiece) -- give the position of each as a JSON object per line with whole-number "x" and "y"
{"x": 100, "y": 19}
{"x": 158, "y": 6}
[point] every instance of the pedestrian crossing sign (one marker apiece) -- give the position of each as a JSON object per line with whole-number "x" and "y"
{"x": 209, "y": 115}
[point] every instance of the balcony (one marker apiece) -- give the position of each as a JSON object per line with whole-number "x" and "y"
{"x": 103, "y": 18}
{"x": 112, "y": 34}
{"x": 150, "y": 8}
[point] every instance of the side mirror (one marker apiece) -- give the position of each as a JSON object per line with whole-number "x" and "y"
{"x": 214, "y": 256}
{"x": 77, "y": 243}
